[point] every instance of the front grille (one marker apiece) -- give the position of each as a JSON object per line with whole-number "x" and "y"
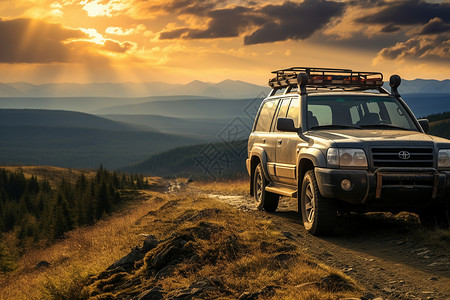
{"x": 391, "y": 157}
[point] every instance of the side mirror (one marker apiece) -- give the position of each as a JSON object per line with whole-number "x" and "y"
{"x": 285, "y": 124}
{"x": 425, "y": 124}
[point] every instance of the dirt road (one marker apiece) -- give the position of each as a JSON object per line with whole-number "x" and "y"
{"x": 384, "y": 254}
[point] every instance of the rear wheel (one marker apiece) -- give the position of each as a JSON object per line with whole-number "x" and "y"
{"x": 266, "y": 200}
{"x": 318, "y": 213}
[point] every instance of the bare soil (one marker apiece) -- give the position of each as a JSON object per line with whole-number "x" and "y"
{"x": 385, "y": 254}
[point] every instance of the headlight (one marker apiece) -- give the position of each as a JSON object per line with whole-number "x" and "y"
{"x": 347, "y": 157}
{"x": 444, "y": 158}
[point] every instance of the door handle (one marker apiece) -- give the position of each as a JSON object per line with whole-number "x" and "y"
{"x": 264, "y": 141}
{"x": 279, "y": 141}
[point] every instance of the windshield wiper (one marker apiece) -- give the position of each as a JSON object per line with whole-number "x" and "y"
{"x": 384, "y": 126}
{"x": 335, "y": 126}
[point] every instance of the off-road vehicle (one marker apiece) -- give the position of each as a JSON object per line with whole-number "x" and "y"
{"x": 339, "y": 142}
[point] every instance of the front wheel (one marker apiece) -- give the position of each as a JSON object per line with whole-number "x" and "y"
{"x": 266, "y": 200}
{"x": 318, "y": 213}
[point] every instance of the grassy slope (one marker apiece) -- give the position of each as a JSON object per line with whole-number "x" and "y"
{"x": 248, "y": 254}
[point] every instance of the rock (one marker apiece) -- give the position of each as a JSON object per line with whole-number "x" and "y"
{"x": 150, "y": 242}
{"x": 287, "y": 234}
{"x": 155, "y": 293}
{"x": 165, "y": 272}
{"x": 43, "y": 264}
{"x": 127, "y": 262}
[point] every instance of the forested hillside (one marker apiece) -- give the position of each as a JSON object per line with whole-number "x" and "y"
{"x": 33, "y": 212}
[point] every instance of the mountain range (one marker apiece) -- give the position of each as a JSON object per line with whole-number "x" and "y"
{"x": 229, "y": 89}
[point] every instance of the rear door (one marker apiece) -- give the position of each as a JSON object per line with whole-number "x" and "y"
{"x": 286, "y": 147}
{"x": 263, "y": 135}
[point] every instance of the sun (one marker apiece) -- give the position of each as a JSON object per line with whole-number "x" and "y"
{"x": 95, "y": 8}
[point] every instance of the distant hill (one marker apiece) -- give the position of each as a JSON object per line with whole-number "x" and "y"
{"x": 204, "y": 161}
{"x": 223, "y": 89}
{"x": 77, "y": 140}
{"x": 230, "y": 89}
{"x": 61, "y": 119}
{"x": 197, "y": 108}
{"x": 421, "y": 86}
{"x": 81, "y": 104}
{"x": 199, "y": 127}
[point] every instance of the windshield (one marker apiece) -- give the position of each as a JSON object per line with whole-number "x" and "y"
{"x": 357, "y": 112}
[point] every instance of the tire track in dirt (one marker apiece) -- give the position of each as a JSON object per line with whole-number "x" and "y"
{"x": 376, "y": 250}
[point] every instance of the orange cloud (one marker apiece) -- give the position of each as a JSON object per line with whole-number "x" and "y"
{"x": 36, "y": 41}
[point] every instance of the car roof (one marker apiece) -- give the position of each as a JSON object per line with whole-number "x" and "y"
{"x": 332, "y": 93}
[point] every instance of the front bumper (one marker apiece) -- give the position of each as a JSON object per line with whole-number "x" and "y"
{"x": 387, "y": 187}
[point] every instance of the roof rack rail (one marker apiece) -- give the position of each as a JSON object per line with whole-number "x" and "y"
{"x": 327, "y": 78}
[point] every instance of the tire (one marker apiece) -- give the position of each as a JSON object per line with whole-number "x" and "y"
{"x": 436, "y": 217}
{"x": 266, "y": 200}
{"x": 318, "y": 213}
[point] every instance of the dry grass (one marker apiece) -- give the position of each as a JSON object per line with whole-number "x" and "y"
{"x": 228, "y": 187}
{"x": 242, "y": 251}
{"x": 85, "y": 251}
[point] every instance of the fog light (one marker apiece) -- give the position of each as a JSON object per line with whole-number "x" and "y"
{"x": 346, "y": 184}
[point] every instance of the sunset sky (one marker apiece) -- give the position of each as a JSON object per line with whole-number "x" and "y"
{"x": 43, "y": 41}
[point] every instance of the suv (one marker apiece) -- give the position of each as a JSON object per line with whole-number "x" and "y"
{"x": 338, "y": 141}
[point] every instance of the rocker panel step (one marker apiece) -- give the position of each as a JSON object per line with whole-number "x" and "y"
{"x": 282, "y": 189}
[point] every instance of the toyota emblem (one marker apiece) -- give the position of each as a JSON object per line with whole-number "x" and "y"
{"x": 404, "y": 155}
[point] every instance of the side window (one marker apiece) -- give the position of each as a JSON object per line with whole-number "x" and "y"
{"x": 293, "y": 110}
{"x": 283, "y": 107}
{"x": 266, "y": 116}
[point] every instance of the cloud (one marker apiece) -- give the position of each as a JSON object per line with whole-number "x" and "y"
{"x": 269, "y": 23}
{"x": 33, "y": 41}
{"x": 294, "y": 20}
{"x": 121, "y": 31}
{"x": 436, "y": 25}
{"x": 409, "y": 12}
{"x": 114, "y": 46}
{"x": 437, "y": 46}
{"x": 391, "y": 27}
{"x": 96, "y": 8}
{"x": 36, "y": 41}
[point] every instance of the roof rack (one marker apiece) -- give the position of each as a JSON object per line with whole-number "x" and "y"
{"x": 327, "y": 78}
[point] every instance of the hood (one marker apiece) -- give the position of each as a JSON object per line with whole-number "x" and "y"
{"x": 374, "y": 135}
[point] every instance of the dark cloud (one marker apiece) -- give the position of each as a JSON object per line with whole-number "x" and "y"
{"x": 294, "y": 20}
{"x": 435, "y": 26}
{"x": 34, "y": 41}
{"x": 391, "y": 27}
{"x": 289, "y": 20}
{"x": 229, "y": 22}
{"x": 409, "y": 12}
{"x": 198, "y": 7}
